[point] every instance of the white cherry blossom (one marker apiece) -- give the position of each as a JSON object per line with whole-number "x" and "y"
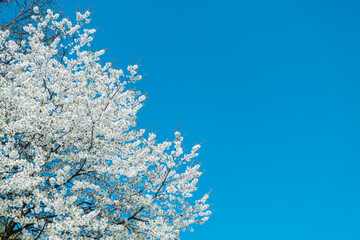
{"x": 73, "y": 164}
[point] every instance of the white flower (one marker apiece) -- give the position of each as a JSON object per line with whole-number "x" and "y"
{"x": 71, "y": 150}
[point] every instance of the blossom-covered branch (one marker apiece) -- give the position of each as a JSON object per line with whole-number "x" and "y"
{"x": 72, "y": 163}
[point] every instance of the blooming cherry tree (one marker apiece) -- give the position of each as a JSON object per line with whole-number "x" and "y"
{"x": 73, "y": 165}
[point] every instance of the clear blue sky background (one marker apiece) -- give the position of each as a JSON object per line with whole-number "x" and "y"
{"x": 273, "y": 89}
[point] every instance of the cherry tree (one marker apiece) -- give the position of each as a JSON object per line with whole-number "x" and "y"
{"x": 73, "y": 163}
{"x": 18, "y": 13}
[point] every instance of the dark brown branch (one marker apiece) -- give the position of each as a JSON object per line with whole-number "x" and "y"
{"x": 42, "y": 230}
{"x": 162, "y": 184}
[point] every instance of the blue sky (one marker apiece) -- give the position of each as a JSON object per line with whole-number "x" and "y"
{"x": 272, "y": 87}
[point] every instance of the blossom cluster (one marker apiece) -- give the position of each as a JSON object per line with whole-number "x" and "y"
{"x": 73, "y": 165}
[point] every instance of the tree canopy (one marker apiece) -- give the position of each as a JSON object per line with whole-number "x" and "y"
{"x": 73, "y": 163}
